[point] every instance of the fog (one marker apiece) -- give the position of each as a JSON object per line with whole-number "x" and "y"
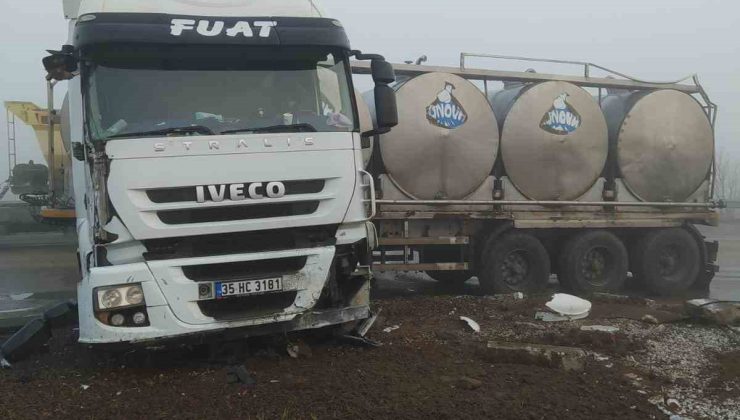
{"x": 650, "y": 39}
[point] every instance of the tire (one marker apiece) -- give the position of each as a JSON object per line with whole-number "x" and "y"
{"x": 514, "y": 262}
{"x": 593, "y": 262}
{"x": 451, "y": 278}
{"x": 667, "y": 261}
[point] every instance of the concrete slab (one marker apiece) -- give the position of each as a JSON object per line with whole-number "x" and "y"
{"x": 566, "y": 358}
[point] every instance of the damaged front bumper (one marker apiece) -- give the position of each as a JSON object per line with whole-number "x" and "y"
{"x": 176, "y": 310}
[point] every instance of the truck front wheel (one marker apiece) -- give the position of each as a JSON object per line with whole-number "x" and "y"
{"x": 667, "y": 261}
{"x": 514, "y": 262}
{"x": 593, "y": 262}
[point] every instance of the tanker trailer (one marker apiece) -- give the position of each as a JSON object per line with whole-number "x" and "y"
{"x": 559, "y": 200}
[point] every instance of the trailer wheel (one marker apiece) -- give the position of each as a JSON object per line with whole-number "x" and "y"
{"x": 668, "y": 261}
{"x": 593, "y": 262}
{"x": 514, "y": 262}
{"x": 450, "y": 278}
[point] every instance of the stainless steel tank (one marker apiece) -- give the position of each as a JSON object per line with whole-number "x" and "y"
{"x": 446, "y": 142}
{"x": 554, "y": 139}
{"x": 663, "y": 142}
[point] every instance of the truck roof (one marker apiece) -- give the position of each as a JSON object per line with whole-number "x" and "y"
{"x": 222, "y": 8}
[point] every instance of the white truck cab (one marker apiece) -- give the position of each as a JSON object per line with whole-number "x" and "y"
{"x": 218, "y": 168}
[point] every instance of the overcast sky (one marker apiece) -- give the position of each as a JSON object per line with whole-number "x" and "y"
{"x": 650, "y": 39}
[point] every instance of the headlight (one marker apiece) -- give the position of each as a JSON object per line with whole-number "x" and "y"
{"x": 111, "y": 299}
{"x": 135, "y": 296}
{"x": 116, "y": 297}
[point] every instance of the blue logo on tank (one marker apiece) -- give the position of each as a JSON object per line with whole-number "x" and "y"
{"x": 561, "y": 119}
{"x": 446, "y": 111}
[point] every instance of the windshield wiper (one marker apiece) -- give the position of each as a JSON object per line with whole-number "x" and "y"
{"x": 199, "y": 129}
{"x": 292, "y": 128}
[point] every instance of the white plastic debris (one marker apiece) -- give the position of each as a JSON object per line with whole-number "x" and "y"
{"x": 472, "y": 324}
{"x": 518, "y": 296}
{"x": 4, "y": 364}
{"x": 569, "y": 305}
{"x": 391, "y": 329}
{"x": 600, "y": 328}
{"x": 85, "y": 387}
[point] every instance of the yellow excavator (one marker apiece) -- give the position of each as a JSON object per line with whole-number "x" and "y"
{"x": 46, "y": 188}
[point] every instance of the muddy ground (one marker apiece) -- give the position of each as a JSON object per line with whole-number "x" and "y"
{"x": 430, "y": 365}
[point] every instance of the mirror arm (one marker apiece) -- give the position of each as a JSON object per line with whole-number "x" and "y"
{"x": 360, "y": 56}
{"x": 375, "y": 132}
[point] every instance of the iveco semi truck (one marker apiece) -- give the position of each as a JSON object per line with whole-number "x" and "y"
{"x": 218, "y": 172}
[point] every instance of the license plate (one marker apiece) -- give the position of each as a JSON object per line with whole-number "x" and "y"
{"x": 249, "y": 287}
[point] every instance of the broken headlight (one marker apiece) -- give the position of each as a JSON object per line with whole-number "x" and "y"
{"x": 118, "y": 297}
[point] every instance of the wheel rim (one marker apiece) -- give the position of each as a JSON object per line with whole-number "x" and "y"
{"x": 595, "y": 265}
{"x": 515, "y": 268}
{"x": 669, "y": 261}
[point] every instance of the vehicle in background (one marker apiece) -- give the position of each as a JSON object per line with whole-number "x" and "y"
{"x": 46, "y": 187}
{"x": 218, "y": 175}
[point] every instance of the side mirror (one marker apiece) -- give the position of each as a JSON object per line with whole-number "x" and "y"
{"x": 60, "y": 65}
{"x": 386, "y": 110}
{"x": 382, "y": 72}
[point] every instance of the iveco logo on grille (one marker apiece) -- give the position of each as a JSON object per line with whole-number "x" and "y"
{"x": 239, "y": 192}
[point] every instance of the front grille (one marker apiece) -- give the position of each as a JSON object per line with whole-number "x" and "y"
{"x": 187, "y": 194}
{"x": 248, "y": 306}
{"x": 245, "y": 270}
{"x": 234, "y": 213}
{"x": 240, "y": 243}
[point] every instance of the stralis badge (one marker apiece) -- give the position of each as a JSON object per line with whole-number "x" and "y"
{"x": 562, "y": 118}
{"x": 446, "y": 111}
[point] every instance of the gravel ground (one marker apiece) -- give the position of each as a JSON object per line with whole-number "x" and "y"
{"x": 430, "y": 365}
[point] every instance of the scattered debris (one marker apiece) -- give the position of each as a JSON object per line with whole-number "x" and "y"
{"x": 566, "y": 358}
{"x": 719, "y": 312}
{"x": 565, "y": 308}
{"x": 551, "y": 317}
{"x": 368, "y": 323}
{"x": 85, "y": 387}
{"x": 28, "y": 339}
{"x": 4, "y": 364}
{"x": 673, "y": 404}
{"x": 600, "y": 328}
{"x": 391, "y": 329}
{"x": 240, "y": 375}
{"x": 472, "y": 324}
{"x": 299, "y": 350}
{"x": 669, "y": 406}
{"x": 359, "y": 341}
{"x": 518, "y": 296}
{"x": 650, "y": 319}
{"x": 610, "y": 297}
{"x": 569, "y": 305}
